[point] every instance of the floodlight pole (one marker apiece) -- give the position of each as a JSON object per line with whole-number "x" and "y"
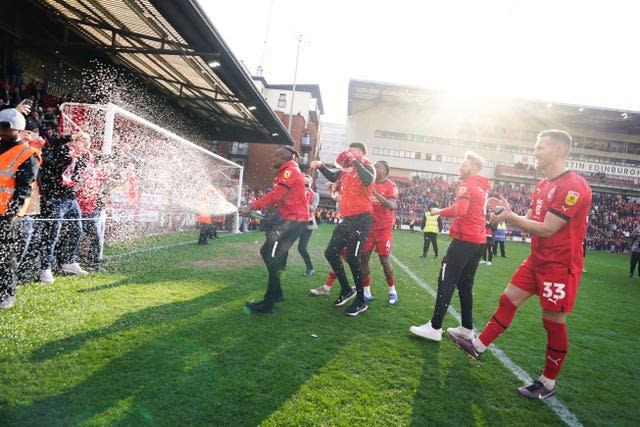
{"x": 293, "y": 89}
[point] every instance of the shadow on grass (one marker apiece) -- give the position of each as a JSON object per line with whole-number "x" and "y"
{"x": 448, "y": 394}
{"x": 197, "y": 362}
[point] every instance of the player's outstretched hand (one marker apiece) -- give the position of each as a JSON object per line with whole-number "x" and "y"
{"x": 500, "y": 209}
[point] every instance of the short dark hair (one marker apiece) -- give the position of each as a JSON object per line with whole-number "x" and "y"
{"x": 561, "y": 136}
{"x": 291, "y": 151}
{"x": 360, "y": 146}
{"x": 385, "y": 164}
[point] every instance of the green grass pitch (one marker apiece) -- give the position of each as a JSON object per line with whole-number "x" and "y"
{"x": 161, "y": 339}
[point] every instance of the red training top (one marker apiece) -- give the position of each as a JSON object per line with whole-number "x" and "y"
{"x": 356, "y": 197}
{"x": 288, "y": 194}
{"x": 468, "y": 210}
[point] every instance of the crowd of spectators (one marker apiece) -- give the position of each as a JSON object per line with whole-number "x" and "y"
{"x": 611, "y": 220}
{"x": 44, "y": 115}
{"x": 64, "y": 193}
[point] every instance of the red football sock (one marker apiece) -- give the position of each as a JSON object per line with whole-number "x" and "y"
{"x": 557, "y": 346}
{"x": 366, "y": 281}
{"x": 499, "y": 322}
{"x": 331, "y": 277}
{"x": 391, "y": 281}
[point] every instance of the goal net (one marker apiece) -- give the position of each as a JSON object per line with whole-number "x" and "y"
{"x": 152, "y": 181}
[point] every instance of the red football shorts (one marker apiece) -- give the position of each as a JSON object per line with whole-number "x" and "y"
{"x": 556, "y": 287}
{"x": 380, "y": 241}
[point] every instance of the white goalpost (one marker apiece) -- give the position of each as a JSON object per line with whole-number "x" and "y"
{"x": 152, "y": 180}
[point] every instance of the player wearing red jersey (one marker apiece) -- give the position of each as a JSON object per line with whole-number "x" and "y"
{"x": 384, "y": 201}
{"x": 289, "y": 215}
{"x": 355, "y": 209}
{"x": 557, "y": 221}
{"x": 459, "y": 265}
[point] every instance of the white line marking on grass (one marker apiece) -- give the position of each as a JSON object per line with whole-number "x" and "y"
{"x": 562, "y": 411}
{"x": 153, "y": 248}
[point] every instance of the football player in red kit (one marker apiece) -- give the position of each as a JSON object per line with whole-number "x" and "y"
{"x": 459, "y": 265}
{"x": 358, "y": 175}
{"x": 557, "y": 221}
{"x": 384, "y": 201}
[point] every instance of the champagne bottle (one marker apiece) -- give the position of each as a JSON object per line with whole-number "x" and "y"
{"x": 256, "y": 215}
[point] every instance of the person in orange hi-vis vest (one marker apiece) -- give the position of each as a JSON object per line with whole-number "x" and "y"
{"x": 18, "y": 169}
{"x": 203, "y": 215}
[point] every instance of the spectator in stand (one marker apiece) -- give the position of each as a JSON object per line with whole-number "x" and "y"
{"x": 19, "y": 166}
{"x": 499, "y": 237}
{"x": 432, "y": 227}
{"x": 33, "y": 121}
{"x": 635, "y": 252}
{"x": 5, "y": 95}
{"x": 460, "y": 263}
{"x": 58, "y": 180}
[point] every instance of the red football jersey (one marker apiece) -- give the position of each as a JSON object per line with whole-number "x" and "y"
{"x": 384, "y": 218}
{"x": 356, "y": 197}
{"x": 569, "y": 197}
{"x": 288, "y": 194}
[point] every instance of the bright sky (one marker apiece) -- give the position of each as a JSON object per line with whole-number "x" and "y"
{"x": 582, "y": 52}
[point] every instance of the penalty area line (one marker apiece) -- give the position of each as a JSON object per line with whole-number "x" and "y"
{"x": 556, "y": 406}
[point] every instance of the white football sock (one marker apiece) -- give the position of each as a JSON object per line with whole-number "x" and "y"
{"x": 479, "y": 345}
{"x": 548, "y": 383}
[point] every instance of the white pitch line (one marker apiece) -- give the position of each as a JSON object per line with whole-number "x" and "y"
{"x": 561, "y": 411}
{"x": 153, "y": 248}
